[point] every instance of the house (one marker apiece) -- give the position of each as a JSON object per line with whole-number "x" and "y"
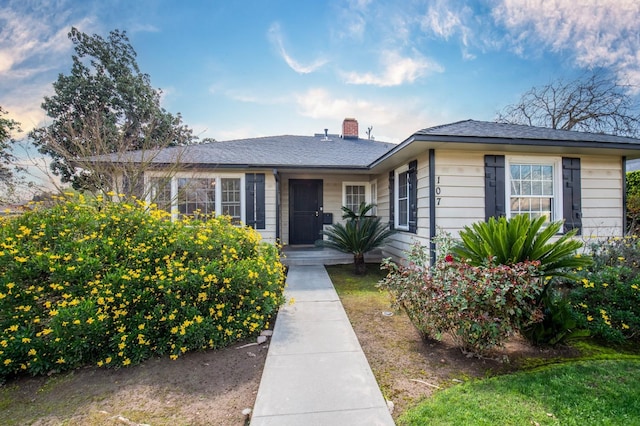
{"x": 440, "y": 178}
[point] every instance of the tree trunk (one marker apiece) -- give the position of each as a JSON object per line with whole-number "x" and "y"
{"x": 358, "y": 261}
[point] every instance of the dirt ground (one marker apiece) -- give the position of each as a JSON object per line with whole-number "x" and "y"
{"x": 213, "y": 387}
{"x": 200, "y": 388}
{"x": 409, "y": 369}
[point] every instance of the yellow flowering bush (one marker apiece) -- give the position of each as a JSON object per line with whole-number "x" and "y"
{"x": 606, "y": 300}
{"x": 112, "y": 284}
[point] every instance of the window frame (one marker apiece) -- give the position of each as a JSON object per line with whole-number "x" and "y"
{"x": 175, "y": 214}
{"x": 396, "y": 198}
{"x": 557, "y": 212}
{"x": 367, "y": 192}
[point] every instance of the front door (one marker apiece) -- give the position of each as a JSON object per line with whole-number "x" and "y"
{"x": 305, "y": 211}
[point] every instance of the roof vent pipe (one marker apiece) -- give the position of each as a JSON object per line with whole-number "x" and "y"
{"x": 326, "y": 134}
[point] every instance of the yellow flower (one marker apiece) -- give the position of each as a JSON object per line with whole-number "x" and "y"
{"x": 173, "y": 357}
{"x": 31, "y": 352}
{"x": 60, "y": 361}
{"x": 589, "y": 318}
{"x": 625, "y": 326}
{"x": 7, "y": 361}
{"x": 127, "y": 361}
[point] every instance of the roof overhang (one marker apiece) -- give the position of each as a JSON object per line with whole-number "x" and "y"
{"x": 418, "y": 144}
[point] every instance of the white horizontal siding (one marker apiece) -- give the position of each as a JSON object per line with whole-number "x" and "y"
{"x": 602, "y": 209}
{"x": 460, "y": 182}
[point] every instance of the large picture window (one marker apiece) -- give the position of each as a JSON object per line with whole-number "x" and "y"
{"x": 199, "y": 195}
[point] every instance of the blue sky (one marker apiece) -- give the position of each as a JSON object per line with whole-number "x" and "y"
{"x": 237, "y": 69}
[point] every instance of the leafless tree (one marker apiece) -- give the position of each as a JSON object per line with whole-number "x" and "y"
{"x": 110, "y": 165}
{"x": 594, "y": 103}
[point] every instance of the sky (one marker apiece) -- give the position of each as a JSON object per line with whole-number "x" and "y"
{"x": 239, "y": 69}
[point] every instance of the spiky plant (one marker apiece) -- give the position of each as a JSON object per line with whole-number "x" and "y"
{"x": 509, "y": 241}
{"x": 358, "y": 235}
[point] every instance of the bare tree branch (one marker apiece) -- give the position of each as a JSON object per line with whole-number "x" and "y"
{"x": 593, "y": 103}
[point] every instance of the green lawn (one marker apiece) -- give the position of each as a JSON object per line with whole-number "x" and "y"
{"x": 603, "y": 388}
{"x": 578, "y": 393}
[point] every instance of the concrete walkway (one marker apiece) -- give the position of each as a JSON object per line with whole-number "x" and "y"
{"x": 315, "y": 372}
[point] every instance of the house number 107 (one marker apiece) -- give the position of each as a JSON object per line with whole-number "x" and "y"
{"x": 438, "y": 191}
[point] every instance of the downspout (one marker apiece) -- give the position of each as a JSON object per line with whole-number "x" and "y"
{"x": 432, "y": 206}
{"x": 277, "y": 178}
{"x": 624, "y": 195}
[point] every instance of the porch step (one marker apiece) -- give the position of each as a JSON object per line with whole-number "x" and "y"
{"x": 301, "y": 256}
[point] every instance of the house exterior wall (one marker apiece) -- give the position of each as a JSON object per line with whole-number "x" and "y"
{"x": 602, "y": 197}
{"x": 459, "y": 189}
{"x": 332, "y": 186}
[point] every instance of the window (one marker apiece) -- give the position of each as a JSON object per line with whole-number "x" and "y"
{"x": 403, "y": 189}
{"x": 196, "y": 196}
{"x": 230, "y": 198}
{"x": 402, "y": 200}
{"x": 354, "y": 194}
{"x": 534, "y": 185}
{"x": 160, "y": 192}
{"x": 193, "y": 195}
{"x": 374, "y": 198}
{"x": 538, "y": 186}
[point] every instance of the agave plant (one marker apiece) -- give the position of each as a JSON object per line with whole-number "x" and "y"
{"x": 504, "y": 242}
{"x": 358, "y": 235}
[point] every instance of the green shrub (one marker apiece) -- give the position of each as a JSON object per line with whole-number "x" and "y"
{"x": 478, "y": 306}
{"x": 510, "y": 241}
{"x": 607, "y": 298}
{"x": 359, "y": 235}
{"x": 112, "y": 284}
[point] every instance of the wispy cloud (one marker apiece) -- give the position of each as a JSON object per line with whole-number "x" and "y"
{"x": 445, "y": 21}
{"x": 396, "y": 70}
{"x": 597, "y": 34}
{"x": 275, "y": 37}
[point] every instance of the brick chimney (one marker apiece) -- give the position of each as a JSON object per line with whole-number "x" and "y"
{"x": 350, "y": 128}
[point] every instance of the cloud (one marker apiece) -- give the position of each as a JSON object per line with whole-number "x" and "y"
{"x": 396, "y": 70}
{"x": 275, "y": 37}
{"x": 598, "y": 34}
{"x": 392, "y": 119}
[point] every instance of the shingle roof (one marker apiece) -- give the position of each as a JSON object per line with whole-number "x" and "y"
{"x": 502, "y": 131}
{"x": 335, "y": 152}
{"x": 275, "y": 151}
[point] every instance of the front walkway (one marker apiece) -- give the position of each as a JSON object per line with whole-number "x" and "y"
{"x": 315, "y": 372}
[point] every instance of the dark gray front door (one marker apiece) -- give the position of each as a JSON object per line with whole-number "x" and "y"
{"x": 305, "y": 211}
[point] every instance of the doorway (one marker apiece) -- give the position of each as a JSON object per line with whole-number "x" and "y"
{"x": 305, "y": 211}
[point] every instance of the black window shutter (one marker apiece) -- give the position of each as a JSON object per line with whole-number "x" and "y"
{"x": 412, "y": 177}
{"x": 392, "y": 200}
{"x": 494, "y": 186}
{"x": 571, "y": 194}
{"x": 255, "y": 200}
